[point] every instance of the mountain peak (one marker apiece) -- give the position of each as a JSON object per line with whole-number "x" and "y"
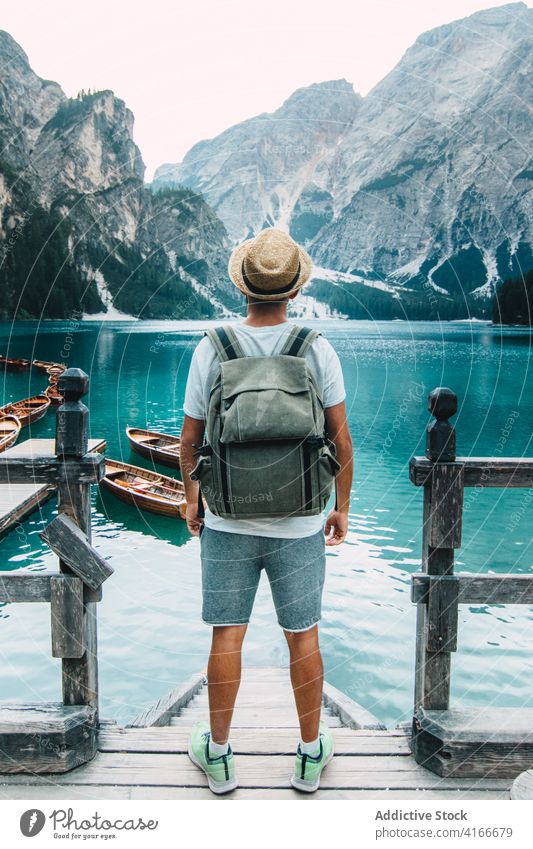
{"x": 10, "y": 49}
{"x": 502, "y": 18}
{"x": 328, "y": 91}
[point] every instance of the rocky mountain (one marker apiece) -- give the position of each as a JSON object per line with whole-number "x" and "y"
{"x": 79, "y": 229}
{"x": 414, "y": 200}
{"x": 255, "y": 174}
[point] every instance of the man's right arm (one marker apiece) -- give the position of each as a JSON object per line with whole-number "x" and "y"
{"x": 192, "y": 433}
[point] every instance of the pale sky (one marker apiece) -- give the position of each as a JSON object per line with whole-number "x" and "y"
{"x": 190, "y": 70}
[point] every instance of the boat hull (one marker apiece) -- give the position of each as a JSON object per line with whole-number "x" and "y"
{"x": 54, "y": 397}
{"x": 120, "y": 478}
{"x": 44, "y": 365}
{"x": 14, "y": 364}
{"x": 156, "y": 453}
{"x": 9, "y": 431}
{"x": 27, "y": 413}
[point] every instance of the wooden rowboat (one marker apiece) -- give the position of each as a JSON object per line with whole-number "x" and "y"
{"x": 159, "y": 447}
{"x": 28, "y": 411}
{"x": 44, "y": 365}
{"x": 13, "y": 363}
{"x": 144, "y": 489}
{"x": 9, "y": 431}
{"x": 55, "y": 397}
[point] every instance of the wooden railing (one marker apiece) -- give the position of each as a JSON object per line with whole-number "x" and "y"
{"x": 438, "y": 590}
{"x": 54, "y": 737}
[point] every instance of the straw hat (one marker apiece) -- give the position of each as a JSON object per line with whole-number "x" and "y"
{"x": 270, "y": 265}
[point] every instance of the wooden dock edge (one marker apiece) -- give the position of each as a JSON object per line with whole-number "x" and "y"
{"x": 160, "y": 712}
{"x": 352, "y": 714}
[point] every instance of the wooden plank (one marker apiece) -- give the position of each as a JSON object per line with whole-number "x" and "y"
{"x": 66, "y": 598}
{"x": 287, "y": 793}
{"x": 78, "y": 792}
{"x": 252, "y": 695}
{"x": 69, "y": 542}
{"x": 160, "y": 712}
{"x": 376, "y": 772}
{"x": 269, "y": 719}
{"x": 442, "y": 614}
{"x": 19, "y": 500}
{"x": 479, "y": 589}
{"x": 248, "y": 741}
{"x": 266, "y": 673}
{"x": 26, "y": 586}
{"x": 51, "y": 790}
{"x": 445, "y": 518}
{"x": 45, "y": 737}
{"x": 282, "y": 699}
{"x": 46, "y": 448}
{"x": 351, "y": 714}
{"x": 50, "y": 470}
{"x": 23, "y": 585}
{"x": 480, "y": 471}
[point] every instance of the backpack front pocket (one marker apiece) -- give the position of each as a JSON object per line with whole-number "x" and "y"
{"x": 270, "y": 414}
{"x": 266, "y": 400}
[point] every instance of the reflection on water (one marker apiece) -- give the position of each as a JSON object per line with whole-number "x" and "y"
{"x": 150, "y": 632}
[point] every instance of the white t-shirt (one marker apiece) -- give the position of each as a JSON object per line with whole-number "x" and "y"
{"x": 263, "y": 342}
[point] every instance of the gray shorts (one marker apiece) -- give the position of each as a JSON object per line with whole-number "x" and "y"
{"x": 231, "y": 568}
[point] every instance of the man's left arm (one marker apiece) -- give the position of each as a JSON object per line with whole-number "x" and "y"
{"x": 336, "y": 526}
{"x": 192, "y": 433}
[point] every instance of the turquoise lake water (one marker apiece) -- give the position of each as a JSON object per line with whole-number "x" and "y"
{"x": 150, "y": 633}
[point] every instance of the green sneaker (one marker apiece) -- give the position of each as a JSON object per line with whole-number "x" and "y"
{"x": 308, "y": 769}
{"x": 220, "y": 771}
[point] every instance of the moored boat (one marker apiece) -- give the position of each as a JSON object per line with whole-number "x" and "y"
{"x": 55, "y": 397}
{"x": 44, "y": 365}
{"x": 160, "y": 447}
{"x": 9, "y": 431}
{"x": 145, "y": 489}
{"x": 28, "y": 411}
{"x": 14, "y": 363}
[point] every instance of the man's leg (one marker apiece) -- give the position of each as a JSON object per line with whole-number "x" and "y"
{"x": 307, "y": 676}
{"x": 224, "y": 678}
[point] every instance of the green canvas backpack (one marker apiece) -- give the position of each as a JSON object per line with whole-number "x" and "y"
{"x": 267, "y": 454}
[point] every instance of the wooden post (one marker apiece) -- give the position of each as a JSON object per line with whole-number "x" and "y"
{"x": 79, "y": 675}
{"x": 436, "y": 628}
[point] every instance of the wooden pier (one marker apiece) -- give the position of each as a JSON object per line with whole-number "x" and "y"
{"x": 151, "y": 762}
{"x": 18, "y": 500}
{"x": 63, "y": 750}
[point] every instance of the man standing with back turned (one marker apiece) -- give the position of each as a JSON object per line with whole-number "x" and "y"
{"x": 269, "y": 397}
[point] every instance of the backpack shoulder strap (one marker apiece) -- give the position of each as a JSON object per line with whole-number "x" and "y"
{"x": 299, "y": 341}
{"x": 225, "y": 343}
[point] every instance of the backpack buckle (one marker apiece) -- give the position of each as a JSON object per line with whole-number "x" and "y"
{"x": 314, "y": 441}
{"x": 204, "y": 450}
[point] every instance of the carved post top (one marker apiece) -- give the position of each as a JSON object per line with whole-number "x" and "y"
{"x": 442, "y": 403}
{"x": 440, "y": 434}
{"x": 72, "y": 415}
{"x": 73, "y": 384}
